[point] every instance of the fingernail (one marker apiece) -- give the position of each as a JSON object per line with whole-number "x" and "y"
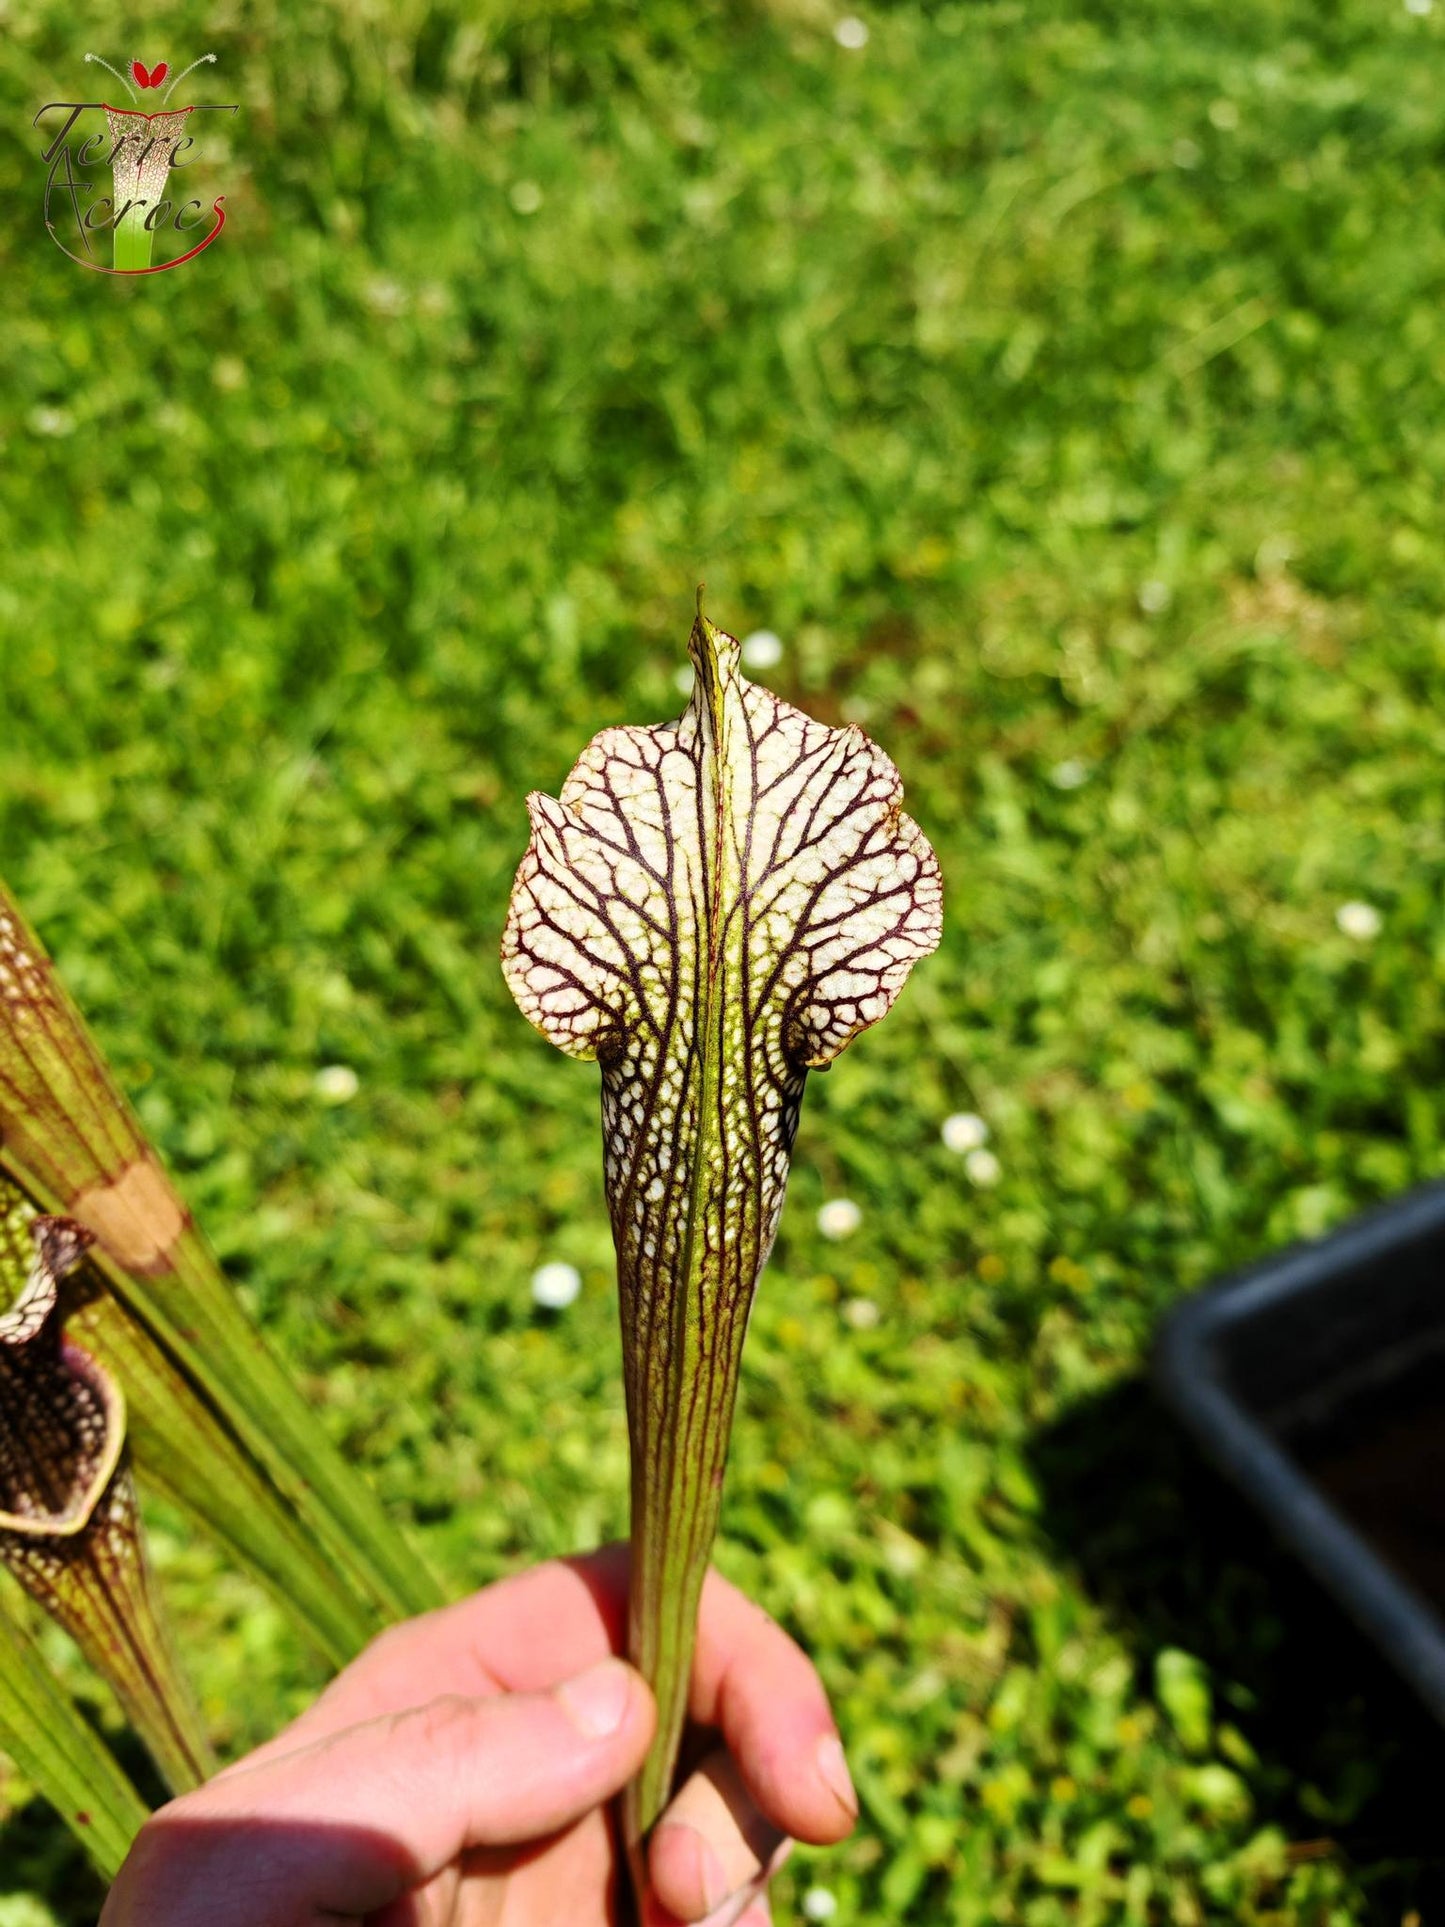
{"x": 707, "y": 1869}
{"x": 833, "y": 1771}
{"x": 597, "y": 1700}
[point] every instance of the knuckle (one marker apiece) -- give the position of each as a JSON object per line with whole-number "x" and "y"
{"x": 444, "y": 1725}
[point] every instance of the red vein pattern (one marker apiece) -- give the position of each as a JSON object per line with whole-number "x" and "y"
{"x": 710, "y": 908}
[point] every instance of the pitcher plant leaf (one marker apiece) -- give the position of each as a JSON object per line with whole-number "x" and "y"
{"x": 52, "y": 1744}
{"x": 710, "y": 909}
{"x": 69, "y": 1527}
{"x": 71, "y": 1143}
{"x": 180, "y": 1447}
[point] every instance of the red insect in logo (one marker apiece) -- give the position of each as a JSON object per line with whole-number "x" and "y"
{"x": 152, "y": 79}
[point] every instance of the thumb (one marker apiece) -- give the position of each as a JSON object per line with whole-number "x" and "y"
{"x": 352, "y": 1822}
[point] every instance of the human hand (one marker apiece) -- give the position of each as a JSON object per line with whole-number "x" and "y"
{"x": 455, "y": 1775}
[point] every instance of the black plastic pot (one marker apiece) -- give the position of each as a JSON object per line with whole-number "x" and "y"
{"x": 1316, "y": 1381}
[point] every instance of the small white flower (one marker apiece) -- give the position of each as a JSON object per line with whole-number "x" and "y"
{"x": 556, "y": 1286}
{"x": 1154, "y": 597}
{"x": 982, "y": 1167}
{"x": 862, "y": 1314}
{"x": 852, "y": 33}
{"x": 336, "y": 1084}
{"x": 819, "y": 1904}
{"x": 1071, "y": 774}
{"x": 1362, "y": 921}
{"x": 964, "y": 1131}
{"x": 839, "y": 1218}
{"x": 384, "y": 296}
{"x": 526, "y": 197}
{"x": 762, "y": 649}
{"x": 1274, "y": 555}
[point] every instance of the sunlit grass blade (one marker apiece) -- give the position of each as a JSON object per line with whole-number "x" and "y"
{"x": 69, "y": 1526}
{"x": 50, "y": 1743}
{"x": 710, "y": 909}
{"x": 72, "y": 1144}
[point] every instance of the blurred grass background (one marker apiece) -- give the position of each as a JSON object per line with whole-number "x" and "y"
{"x": 1060, "y": 380}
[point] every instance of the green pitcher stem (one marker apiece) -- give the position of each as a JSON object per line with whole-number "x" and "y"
{"x": 59, "y": 1752}
{"x": 124, "y": 1635}
{"x": 133, "y": 241}
{"x": 677, "y": 1482}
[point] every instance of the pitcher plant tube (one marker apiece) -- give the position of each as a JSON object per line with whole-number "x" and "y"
{"x": 52, "y": 1743}
{"x": 69, "y": 1527}
{"x": 287, "y": 1502}
{"x": 711, "y": 908}
{"x": 114, "y": 1312}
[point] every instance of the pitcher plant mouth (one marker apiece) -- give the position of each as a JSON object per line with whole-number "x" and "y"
{"x": 69, "y": 1526}
{"x": 124, "y": 1345}
{"x": 710, "y": 908}
{"x": 258, "y": 1468}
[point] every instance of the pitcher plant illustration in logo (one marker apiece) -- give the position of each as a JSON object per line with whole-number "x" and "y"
{"x": 142, "y": 150}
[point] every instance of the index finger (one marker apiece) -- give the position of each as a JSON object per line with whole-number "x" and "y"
{"x": 756, "y": 1684}
{"x": 523, "y": 1634}
{"x": 529, "y": 1632}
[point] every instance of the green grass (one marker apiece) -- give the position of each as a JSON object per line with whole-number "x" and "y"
{"x": 1060, "y": 380}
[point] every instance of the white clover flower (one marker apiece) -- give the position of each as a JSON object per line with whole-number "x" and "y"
{"x": 1071, "y": 774}
{"x": 982, "y": 1168}
{"x": 1362, "y": 921}
{"x": 851, "y": 33}
{"x": 336, "y": 1084}
{"x": 964, "y": 1131}
{"x": 385, "y": 296}
{"x": 556, "y": 1286}
{"x": 862, "y": 1314}
{"x": 819, "y": 1904}
{"x": 839, "y": 1218}
{"x": 526, "y": 197}
{"x": 762, "y": 649}
{"x": 51, "y": 421}
{"x": 1274, "y": 555}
